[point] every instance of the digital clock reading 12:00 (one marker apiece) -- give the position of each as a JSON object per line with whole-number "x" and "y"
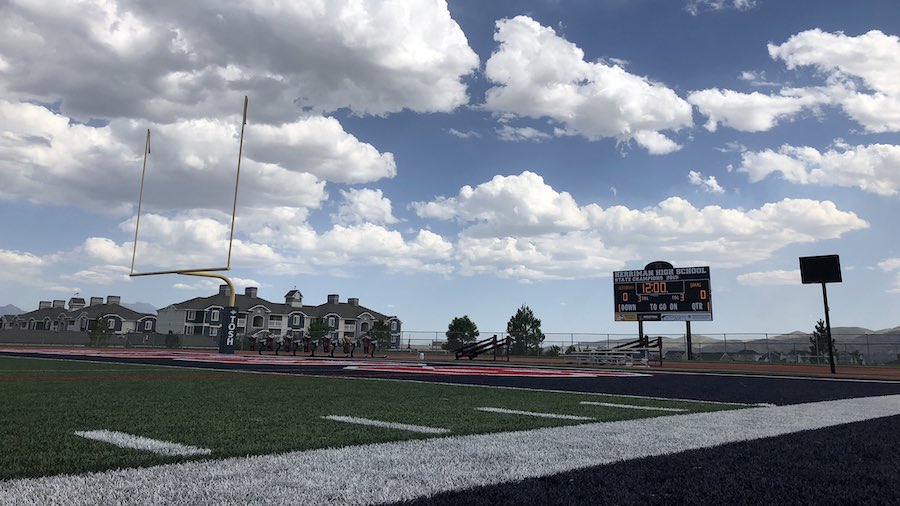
{"x": 663, "y": 294}
{"x": 660, "y": 287}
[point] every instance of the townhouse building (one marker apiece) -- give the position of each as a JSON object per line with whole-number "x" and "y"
{"x": 205, "y": 315}
{"x": 80, "y": 316}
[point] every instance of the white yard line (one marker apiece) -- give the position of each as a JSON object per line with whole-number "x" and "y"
{"x": 387, "y": 425}
{"x": 631, "y": 406}
{"x": 535, "y": 414}
{"x": 404, "y": 470}
{"x": 125, "y": 440}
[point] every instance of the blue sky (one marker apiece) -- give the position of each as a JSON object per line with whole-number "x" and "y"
{"x": 436, "y": 159}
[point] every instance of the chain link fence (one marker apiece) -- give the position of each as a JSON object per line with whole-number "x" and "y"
{"x": 793, "y": 348}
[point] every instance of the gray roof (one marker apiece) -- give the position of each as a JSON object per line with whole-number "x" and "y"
{"x": 40, "y": 314}
{"x": 92, "y": 312}
{"x": 99, "y": 310}
{"x": 244, "y": 303}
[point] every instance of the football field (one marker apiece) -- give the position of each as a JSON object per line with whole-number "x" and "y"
{"x": 89, "y": 428}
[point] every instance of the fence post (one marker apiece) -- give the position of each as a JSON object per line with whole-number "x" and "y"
{"x": 868, "y": 351}
{"x": 768, "y": 354}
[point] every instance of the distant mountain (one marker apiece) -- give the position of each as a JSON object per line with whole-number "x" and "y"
{"x": 140, "y": 307}
{"x": 10, "y": 309}
{"x": 876, "y": 346}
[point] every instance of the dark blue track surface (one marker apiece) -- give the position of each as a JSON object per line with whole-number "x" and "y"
{"x": 699, "y": 386}
{"x": 849, "y": 464}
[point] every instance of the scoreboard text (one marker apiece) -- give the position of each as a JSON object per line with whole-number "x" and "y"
{"x": 678, "y": 294}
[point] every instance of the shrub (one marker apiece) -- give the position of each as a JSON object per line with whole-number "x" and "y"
{"x": 173, "y": 340}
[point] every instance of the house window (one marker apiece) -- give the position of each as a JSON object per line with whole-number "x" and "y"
{"x": 296, "y": 320}
{"x": 274, "y": 320}
{"x": 111, "y": 323}
{"x": 257, "y": 321}
{"x": 214, "y": 315}
{"x": 188, "y": 329}
{"x": 190, "y": 316}
{"x": 393, "y": 325}
{"x": 331, "y": 322}
{"x": 148, "y": 325}
{"x": 213, "y": 331}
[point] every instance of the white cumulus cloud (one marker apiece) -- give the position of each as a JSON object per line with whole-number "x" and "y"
{"x": 539, "y": 74}
{"x": 364, "y": 206}
{"x": 518, "y": 226}
{"x": 197, "y": 59}
{"x": 752, "y": 112}
{"x": 770, "y": 278}
{"x": 863, "y": 72}
{"x": 709, "y": 184}
{"x": 874, "y": 168}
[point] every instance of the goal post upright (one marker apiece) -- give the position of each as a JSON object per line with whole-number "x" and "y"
{"x": 226, "y": 344}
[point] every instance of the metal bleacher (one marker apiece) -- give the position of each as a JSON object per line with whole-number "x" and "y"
{"x": 637, "y": 353}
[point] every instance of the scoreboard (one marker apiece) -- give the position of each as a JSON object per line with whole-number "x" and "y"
{"x": 677, "y": 294}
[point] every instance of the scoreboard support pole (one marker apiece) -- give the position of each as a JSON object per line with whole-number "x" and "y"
{"x": 687, "y": 335}
{"x": 828, "y": 329}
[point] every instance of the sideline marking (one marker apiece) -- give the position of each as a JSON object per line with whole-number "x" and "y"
{"x": 125, "y": 440}
{"x": 505, "y": 371}
{"x": 630, "y": 406}
{"x": 387, "y": 425}
{"x": 534, "y": 413}
{"x": 438, "y": 464}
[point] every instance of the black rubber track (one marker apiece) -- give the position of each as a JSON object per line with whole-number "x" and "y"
{"x": 708, "y": 387}
{"x": 851, "y": 464}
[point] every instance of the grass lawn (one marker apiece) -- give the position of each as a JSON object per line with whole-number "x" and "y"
{"x": 43, "y": 402}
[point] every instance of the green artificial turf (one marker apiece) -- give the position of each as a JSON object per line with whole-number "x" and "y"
{"x": 43, "y": 402}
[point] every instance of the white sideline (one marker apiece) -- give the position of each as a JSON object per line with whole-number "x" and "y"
{"x": 631, "y": 406}
{"x": 125, "y": 440}
{"x": 387, "y": 425}
{"x": 534, "y": 413}
{"x": 403, "y": 470}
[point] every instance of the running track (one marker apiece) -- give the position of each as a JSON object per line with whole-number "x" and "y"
{"x": 723, "y": 387}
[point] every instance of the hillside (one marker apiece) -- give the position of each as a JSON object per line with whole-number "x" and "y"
{"x": 10, "y": 309}
{"x": 140, "y": 307}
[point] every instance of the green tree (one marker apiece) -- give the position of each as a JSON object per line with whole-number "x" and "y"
{"x": 460, "y": 332}
{"x": 525, "y": 331}
{"x": 318, "y": 328}
{"x": 100, "y": 332}
{"x": 818, "y": 341}
{"x": 381, "y": 334}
